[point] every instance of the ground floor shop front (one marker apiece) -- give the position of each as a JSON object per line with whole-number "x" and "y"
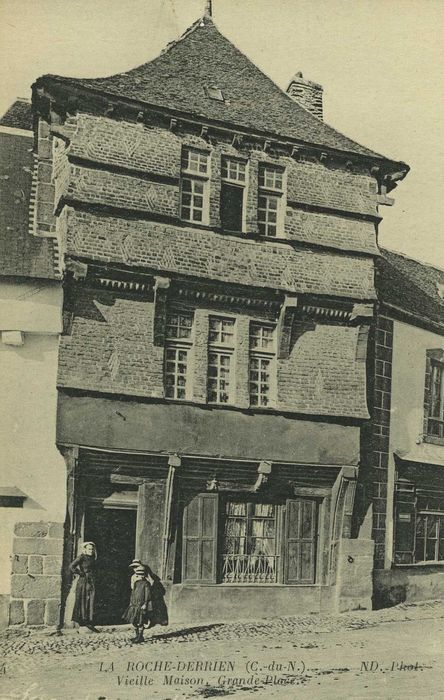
{"x": 239, "y": 515}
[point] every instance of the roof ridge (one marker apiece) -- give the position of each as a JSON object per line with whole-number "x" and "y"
{"x": 409, "y": 257}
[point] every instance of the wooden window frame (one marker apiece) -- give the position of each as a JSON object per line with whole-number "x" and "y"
{"x": 219, "y": 348}
{"x": 271, "y": 191}
{"x": 178, "y": 343}
{"x": 195, "y": 176}
{"x": 260, "y": 353}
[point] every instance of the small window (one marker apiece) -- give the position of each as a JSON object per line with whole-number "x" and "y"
{"x": 270, "y": 200}
{"x": 232, "y": 195}
{"x": 195, "y": 162}
{"x": 270, "y": 178}
{"x": 215, "y": 93}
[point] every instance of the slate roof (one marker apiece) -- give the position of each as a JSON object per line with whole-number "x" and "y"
{"x": 18, "y": 115}
{"x": 411, "y": 285}
{"x": 201, "y": 58}
{"x": 21, "y": 254}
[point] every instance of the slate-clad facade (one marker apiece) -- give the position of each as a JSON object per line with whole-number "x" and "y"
{"x": 403, "y": 455}
{"x": 218, "y": 244}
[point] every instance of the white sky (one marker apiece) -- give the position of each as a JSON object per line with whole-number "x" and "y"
{"x": 381, "y": 63}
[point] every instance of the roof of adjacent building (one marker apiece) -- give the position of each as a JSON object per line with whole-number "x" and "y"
{"x": 21, "y": 253}
{"x": 411, "y": 285}
{"x": 18, "y": 115}
{"x": 202, "y": 58}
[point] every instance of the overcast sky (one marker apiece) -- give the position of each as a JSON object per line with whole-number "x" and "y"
{"x": 381, "y": 63}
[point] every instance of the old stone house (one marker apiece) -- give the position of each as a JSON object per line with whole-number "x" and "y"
{"x": 403, "y": 447}
{"x": 218, "y": 241}
{"x": 32, "y": 482}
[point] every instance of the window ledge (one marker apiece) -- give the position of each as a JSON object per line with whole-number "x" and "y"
{"x": 432, "y": 440}
{"x": 249, "y": 585}
{"x": 419, "y": 564}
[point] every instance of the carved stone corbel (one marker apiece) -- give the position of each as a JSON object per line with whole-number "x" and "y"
{"x": 264, "y": 471}
{"x": 285, "y": 325}
{"x": 161, "y": 287}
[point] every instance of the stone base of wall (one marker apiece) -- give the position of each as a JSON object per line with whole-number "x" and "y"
{"x": 354, "y": 579}
{"x": 197, "y": 603}
{"x": 4, "y": 611}
{"x": 36, "y": 574}
{"x": 407, "y": 584}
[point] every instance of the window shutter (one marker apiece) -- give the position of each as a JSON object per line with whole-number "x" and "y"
{"x": 199, "y": 561}
{"x": 301, "y": 535}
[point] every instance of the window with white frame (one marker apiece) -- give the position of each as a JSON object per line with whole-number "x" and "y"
{"x": 270, "y": 200}
{"x": 179, "y": 340}
{"x": 262, "y": 364}
{"x": 232, "y": 194}
{"x": 194, "y": 186}
{"x": 220, "y": 359}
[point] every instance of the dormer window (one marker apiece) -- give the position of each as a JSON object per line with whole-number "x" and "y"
{"x": 194, "y": 190}
{"x": 215, "y": 93}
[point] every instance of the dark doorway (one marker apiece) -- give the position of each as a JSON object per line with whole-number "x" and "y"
{"x": 114, "y": 533}
{"x": 231, "y": 207}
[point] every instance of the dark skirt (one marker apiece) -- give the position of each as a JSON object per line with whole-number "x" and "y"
{"x": 83, "y": 612}
{"x": 136, "y": 616}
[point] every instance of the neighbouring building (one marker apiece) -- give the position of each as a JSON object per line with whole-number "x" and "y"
{"x": 32, "y": 482}
{"x": 403, "y": 459}
{"x": 218, "y": 242}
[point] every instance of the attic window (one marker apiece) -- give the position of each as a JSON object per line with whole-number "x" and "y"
{"x": 215, "y": 93}
{"x": 11, "y": 497}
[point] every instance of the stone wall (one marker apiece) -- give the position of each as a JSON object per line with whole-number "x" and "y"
{"x": 354, "y": 586}
{"x": 111, "y": 348}
{"x": 36, "y": 573}
{"x": 210, "y": 255}
{"x": 130, "y": 166}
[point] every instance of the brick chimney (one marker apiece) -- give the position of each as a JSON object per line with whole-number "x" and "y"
{"x": 307, "y": 94}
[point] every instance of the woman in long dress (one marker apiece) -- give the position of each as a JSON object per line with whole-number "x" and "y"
{"x": 85, "y": 567}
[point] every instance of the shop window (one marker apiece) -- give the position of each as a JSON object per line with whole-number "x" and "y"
{"x": 232, "y": 195}
{"x": 270, "y": 201}
{"x": 179, "y": 331}
{"x": 233, "y": 540}
{"x": 262, "y": 364}
{"x": 220, "y": 359}
{"x": 419, "y": 533}
{"x": 194, "y": 186}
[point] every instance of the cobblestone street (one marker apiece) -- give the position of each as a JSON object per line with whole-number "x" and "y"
{"x": 352, "y": 655}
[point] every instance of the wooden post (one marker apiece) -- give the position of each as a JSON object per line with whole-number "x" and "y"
{"x": 173, "y": 462}
{"x": 71, "y": 456}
